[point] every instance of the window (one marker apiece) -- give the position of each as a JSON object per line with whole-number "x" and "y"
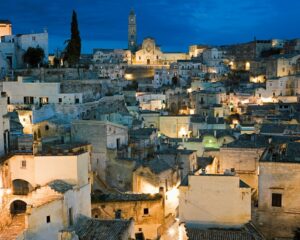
{"x": 146, "y": 211}
{"x": 33, "y": 38}
{"x": 48, "y": 220}
{"x": 28, "y": 100}
{"x": 118, "y": 143}
{"x": 44, "y": 100}
{"x": 118, "y": 214}
{"x": 76, "y": 100}
{"x": 59, "y": 100}
{"x": 46, "y": 127}
{"x": 23, "y": 164}
{"x": 70, "y": 216}
{"x": 276, "y": 199}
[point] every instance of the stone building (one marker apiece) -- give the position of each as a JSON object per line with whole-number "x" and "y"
{"x": 147, "y": 211}
{"x": 4, "y": 126}
{"x": 27, "y": 91}
{"x": 184, "y": 158}
{"x": 196, "y": 50}
{"x": 5, "y": 28}
{"x": 151, "y": 54}
{"x": 277, "y": 215}
{"x": 242, "y": 157}
{"x": 158, "y": 176}
{"x": 176, "y": 126}
{"x": 282, "y": 65}
{"x": 111, "y": 56}
{"x": 245, "y": 52}
{"x": 143, "y": 143}
{"x": 39, "y": 199}
{"x": 13, "y": 47}
{"x": 103, "y": 136}
{"x": 89, "y": 228}
{"x": 214, "y": 201}
{"x": 207, "y": 98}
{"x": 150, "y": 118}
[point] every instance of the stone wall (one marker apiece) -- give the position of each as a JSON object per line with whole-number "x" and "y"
{"x": 280, "y": 178}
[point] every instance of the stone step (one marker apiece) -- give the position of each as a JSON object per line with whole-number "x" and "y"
{"x": 12, "y": 231}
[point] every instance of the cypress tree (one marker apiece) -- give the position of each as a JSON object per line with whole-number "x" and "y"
{"x": 73, "y": 49}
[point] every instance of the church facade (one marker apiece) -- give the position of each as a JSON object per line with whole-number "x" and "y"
{"x": 149, "y": 53}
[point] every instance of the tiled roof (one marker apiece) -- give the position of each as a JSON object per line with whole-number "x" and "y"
{"x": 285, "y": 153}
{"x": 60, "y": 186}
{"x": 249, "y": 141}
{"x": 94, "y": 229}
{"x": 247, "y": 232}
{"x": 124, "y": 197}
{"x": 158, "y": 165}
{"x": 203, "y": 162}
{"x": 198, "y": 234}
{"x": 142, "y": 132}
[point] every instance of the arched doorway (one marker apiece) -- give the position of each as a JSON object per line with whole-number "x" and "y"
{"x": 18, "y": 207}
{"x": 21, "y": 187}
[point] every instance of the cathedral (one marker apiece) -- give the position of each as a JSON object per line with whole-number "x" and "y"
{"x": 148, "y": 53}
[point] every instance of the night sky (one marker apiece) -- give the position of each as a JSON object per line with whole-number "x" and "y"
{"x": 174, "y": 24}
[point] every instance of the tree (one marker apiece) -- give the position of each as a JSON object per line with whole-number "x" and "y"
{"x": 56, "y": 62}
{"x": 34, "y": 56}
{"x": 73, "y": 49}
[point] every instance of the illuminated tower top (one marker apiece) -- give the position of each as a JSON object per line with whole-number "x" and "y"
{"x": 132, "y": 35}
{"x": 5, "y": 28}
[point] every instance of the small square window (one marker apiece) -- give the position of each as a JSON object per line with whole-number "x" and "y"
{"x": 23, "y": 164}
{"x": 48, "y": 220}
{"x": 146, "y": 211}
{"x": 276, "y": 200}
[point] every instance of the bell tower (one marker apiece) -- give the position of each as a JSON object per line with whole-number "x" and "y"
{"x": 132, "y": 38}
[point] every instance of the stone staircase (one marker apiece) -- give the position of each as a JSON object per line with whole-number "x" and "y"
{"x": 15, "y": 229}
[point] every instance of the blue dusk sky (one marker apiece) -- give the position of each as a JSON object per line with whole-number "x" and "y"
{"x": 174, "y": 24}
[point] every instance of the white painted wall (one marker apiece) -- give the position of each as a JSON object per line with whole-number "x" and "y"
{"x": 215, "y": 200}
{"x": 18, "y": 90}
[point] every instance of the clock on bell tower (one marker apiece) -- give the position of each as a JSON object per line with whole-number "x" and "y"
{"x": 132, "y": 36}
